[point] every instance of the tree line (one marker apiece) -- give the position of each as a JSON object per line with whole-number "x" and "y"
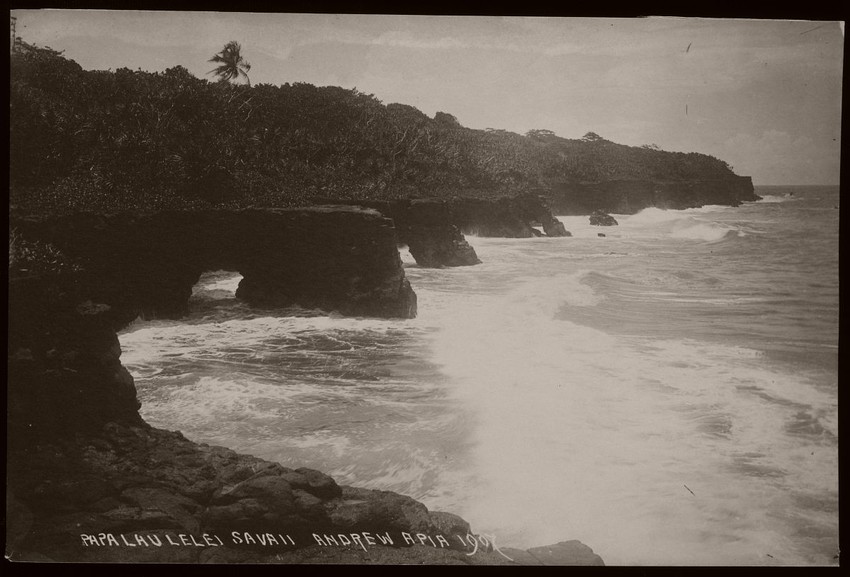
{"x": 103, "y": 140}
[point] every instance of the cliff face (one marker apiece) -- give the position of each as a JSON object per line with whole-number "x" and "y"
{"x": 64, "y": 372}
{"x": 333, "y": 258}
{"x": 433, "y": 229}
{"x": 508, "y": 217}
{"x": 631, "y": 196}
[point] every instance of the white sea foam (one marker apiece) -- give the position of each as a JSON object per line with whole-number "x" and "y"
{"x": 603, "y": 440}
{"x": 656, "y": 223}
{"x": 774, "y": 198}
{"x": 704, "y": 231}
{"x": 651, "y": 216}
{"x": 585, "y": 434}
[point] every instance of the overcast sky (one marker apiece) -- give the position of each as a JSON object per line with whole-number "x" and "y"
{"x": 763, "y": 95}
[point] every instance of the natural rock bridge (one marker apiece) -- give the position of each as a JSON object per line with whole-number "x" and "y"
{"x": 334, "y": 258}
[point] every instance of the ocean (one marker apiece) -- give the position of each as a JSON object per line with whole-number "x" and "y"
{"x": 667, "y": 394}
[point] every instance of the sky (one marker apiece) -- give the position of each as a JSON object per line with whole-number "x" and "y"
{"x": 763, "y": 95}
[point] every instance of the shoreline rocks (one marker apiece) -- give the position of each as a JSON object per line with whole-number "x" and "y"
{"x": 133, "y": 493}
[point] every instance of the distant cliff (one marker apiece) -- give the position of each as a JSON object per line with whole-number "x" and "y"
{"x": 631, "y": 196}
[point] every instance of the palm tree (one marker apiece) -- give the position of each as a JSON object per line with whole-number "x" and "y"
{"x": 231, "y": 65}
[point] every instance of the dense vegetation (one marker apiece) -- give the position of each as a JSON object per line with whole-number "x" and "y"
{"x": 102, "y": 140}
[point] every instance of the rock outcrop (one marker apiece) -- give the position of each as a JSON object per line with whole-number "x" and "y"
{"x": 433, "y": 240}
{"x": 599, "y": 218}
{"x": 632, "y": 196}
{"x": 133, "y": 493}
{"x": 433, "y": 229}
{"x": 508, "y": 217}
{"x": 332, "y": 258}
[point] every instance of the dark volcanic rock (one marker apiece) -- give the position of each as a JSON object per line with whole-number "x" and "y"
{"x": 555, "y": 227}
{"x": 599, "y": 218}
{"x": 566, "y": 553}
{"x": 431, "y": 238}
{"x": 333, "y": 258}
{"x": 67, "y": 497}
{"x": 440, "y": 246}
{"x": 508, "y": 217}
{"x": 65, "y": 372}
{"x": 433, "y": 229}
{"x": 632, "y": 196}
{"x": 426, "y": 227}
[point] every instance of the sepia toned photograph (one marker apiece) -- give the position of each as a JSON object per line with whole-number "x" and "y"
{"x": 396, "y": 289}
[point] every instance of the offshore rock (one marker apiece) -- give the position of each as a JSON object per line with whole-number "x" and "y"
{"x": 555, "y": 227}
{"x": 599, "y": 218}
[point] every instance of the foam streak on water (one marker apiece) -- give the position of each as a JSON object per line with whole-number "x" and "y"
{"x": 666, "y": 394}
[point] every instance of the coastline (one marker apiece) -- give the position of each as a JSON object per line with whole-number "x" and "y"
{"x": 90, "y": 481}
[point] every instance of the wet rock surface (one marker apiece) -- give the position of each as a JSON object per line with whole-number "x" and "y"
{"x": 599, "y": 218}
{"x": 133, "y": 493}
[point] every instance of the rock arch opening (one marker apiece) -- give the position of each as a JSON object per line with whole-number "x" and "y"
{"x": 214, "y": 288}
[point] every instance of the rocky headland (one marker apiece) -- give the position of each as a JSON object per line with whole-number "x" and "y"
{"x": 629, "y": 196}
{"x": 90, "y": 481}
{"x": 434, "y": 229}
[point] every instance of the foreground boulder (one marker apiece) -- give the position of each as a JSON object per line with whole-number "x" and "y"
{"x": 133, "y": 493}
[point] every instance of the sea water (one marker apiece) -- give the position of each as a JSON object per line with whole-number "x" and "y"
{"x": 667, "y": 394}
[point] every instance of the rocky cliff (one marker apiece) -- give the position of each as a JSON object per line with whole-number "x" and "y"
{"x": 433, "y": 229}
{"x": 333, "y": 258}
{"x": 631, "y": 196}
{"x": 90, "y": 481}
